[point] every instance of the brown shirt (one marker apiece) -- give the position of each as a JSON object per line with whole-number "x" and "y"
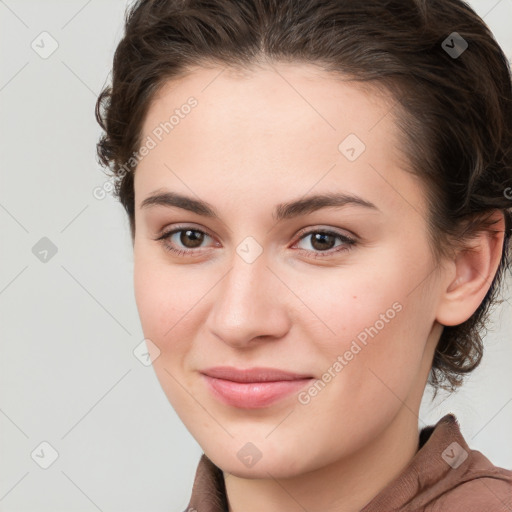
{"x": 445, "y": 475}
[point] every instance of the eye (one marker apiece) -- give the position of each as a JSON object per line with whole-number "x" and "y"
{"x": 188, "y": 237}
{"x": 322, "y": 242}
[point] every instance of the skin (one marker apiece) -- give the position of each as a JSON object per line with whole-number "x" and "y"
{"x": 257, "y": 139}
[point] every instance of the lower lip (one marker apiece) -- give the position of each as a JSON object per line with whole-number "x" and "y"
{"x": 253, "y": 395}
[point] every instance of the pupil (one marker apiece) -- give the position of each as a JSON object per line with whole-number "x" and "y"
{"x": 188, "y": 235}
{"x": 321, "y": 237}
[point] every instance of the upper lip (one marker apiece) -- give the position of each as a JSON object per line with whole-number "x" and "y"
{"x": 256, "y": 374}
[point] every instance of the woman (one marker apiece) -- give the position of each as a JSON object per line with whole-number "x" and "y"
{"x": 319, "y": 200}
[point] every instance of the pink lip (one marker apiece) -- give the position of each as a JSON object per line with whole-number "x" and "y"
{"x": 252, "y": 388}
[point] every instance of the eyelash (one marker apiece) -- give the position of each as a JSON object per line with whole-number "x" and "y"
{"x": 347, "y": 241}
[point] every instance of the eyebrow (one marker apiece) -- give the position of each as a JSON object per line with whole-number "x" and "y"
{"x": 282, "y": 211}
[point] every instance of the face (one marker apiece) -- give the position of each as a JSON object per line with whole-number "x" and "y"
{"x": 339, "y": 291}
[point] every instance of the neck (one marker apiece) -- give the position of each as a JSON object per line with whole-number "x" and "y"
{"x": 344, "y": 486}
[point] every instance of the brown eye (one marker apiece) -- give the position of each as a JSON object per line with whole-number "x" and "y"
{"x": 191, "y": 238}
{"x": 323, "y": 243}
{"x": 183, "y": 241}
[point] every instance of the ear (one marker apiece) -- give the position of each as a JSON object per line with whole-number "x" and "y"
{"x": 471, "y": 273}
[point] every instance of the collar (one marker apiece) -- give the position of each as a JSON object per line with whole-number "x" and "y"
{"x": 428, "y": 475}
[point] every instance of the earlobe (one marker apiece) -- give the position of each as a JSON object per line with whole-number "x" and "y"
{"x": 474, "y": 270}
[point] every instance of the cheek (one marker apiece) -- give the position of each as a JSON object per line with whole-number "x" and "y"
{"x": 164, "y": 295}
{"x": 370, "y": 368}
{"x": 379, "y": 320}
{"x": 159, "y": 316}
{"x": 149, "y": 297}
{"x": 166, "y": 320}
{"x": 349, "y": 303}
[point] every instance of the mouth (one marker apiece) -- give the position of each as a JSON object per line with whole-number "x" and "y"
{"x": 252, "y": 388}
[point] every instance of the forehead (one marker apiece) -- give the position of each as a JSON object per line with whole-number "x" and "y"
{"x": 292, "y": 127}
{"x": 271, "y": 97}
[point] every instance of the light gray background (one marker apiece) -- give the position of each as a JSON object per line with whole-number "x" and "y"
{"x": 69, "y": 326}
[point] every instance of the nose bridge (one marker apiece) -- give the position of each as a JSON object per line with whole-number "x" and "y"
{"x": 245, "y": 305}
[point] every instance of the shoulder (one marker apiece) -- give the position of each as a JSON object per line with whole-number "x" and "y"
{"x": 476, "y": 484}
{"x": 446, "y": 475}
{"x": 488, "y": 489}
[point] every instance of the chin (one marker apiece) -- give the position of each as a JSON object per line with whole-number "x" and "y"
{"x": 259, "y": 460}
{"x": 275, "y": 466}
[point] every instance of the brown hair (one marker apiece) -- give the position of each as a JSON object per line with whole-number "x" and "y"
{"x": 454, "y": 105}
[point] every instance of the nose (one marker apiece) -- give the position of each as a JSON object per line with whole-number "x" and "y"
{"x": 250, "y": 304}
